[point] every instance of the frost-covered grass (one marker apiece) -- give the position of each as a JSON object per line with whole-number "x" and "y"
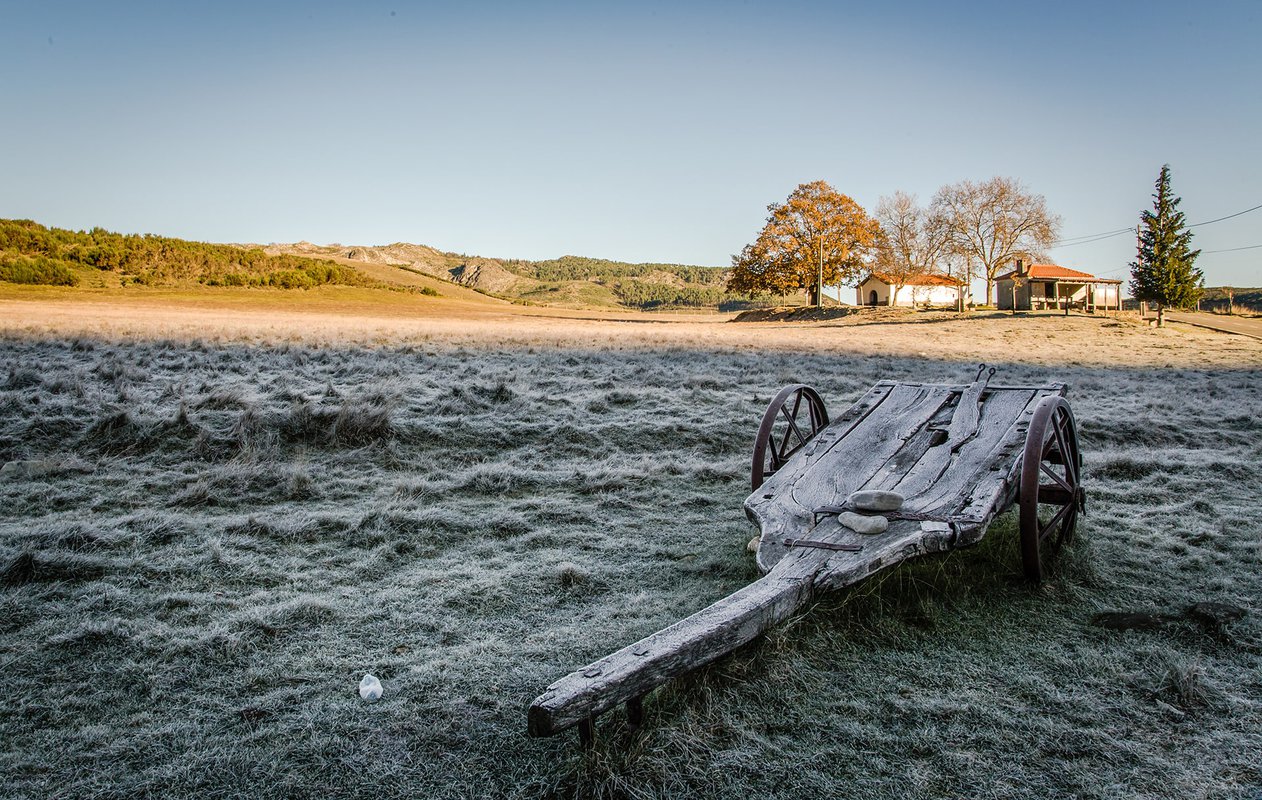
{"x": 205, "y": 545}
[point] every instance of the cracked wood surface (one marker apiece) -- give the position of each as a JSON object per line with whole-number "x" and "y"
{"x": 952, "y": 450}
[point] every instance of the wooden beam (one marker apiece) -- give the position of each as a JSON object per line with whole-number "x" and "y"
{"x": 691, "y": 643}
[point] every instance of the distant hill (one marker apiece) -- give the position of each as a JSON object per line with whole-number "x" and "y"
{"x": 568, "y": 281}
{"x": 1215, "y": 299}
{"x": 33, "y": 253}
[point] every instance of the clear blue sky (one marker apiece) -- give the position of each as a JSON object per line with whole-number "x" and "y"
{"x": 640, "y": 131}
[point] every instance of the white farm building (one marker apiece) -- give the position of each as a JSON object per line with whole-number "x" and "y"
{"x": 915, "y": 290}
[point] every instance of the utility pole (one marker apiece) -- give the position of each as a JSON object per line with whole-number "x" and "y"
{"x": 819, "y": 286}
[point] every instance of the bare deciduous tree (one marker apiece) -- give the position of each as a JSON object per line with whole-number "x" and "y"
{"x": 993, "y": 222}
{"x": 913, "y": 241}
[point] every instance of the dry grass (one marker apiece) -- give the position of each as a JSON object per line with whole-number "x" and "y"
{"x": 222, "y": 519}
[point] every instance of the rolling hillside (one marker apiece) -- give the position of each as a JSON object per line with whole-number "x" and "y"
{"x": 31, "y": 253}
{"x": 1243, "y": 299}
{"x": 570, "y": 281}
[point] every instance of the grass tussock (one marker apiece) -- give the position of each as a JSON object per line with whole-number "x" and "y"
{"x": 209, "y": 543}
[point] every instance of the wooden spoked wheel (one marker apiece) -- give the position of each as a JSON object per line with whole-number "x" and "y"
{"x": 1051, "y": 493}
{"x": 793, "y": 418}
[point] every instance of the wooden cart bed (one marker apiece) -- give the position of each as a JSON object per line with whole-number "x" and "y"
{"x": 957, "y": 454}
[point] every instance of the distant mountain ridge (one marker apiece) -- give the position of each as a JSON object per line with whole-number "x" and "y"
{"x": 568, "y": 280}
{"x": 31, "y": 253}
{"x": 485, "y": 274}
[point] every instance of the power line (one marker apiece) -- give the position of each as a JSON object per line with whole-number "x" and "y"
{"x": 1229, "y": 216}
{"x": 1100, "y": 238}
{"x": 1232, "y": 249}
{"x": 1069, "y": 241}
{"x": 1092, "y": 235}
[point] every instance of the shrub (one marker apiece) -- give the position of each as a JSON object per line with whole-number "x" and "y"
{"x": 36, "y": 270}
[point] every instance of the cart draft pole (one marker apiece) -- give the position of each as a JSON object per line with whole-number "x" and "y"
{"x": 626, "y": 676}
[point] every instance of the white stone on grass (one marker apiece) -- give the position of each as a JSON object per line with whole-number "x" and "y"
{"x": 862, "y": 524}
{"x": 875, "y": 500}
{"x": 370, "y": 688}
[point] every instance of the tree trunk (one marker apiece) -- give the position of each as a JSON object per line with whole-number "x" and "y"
{"x": 990, "y": 285}
{"x": 1161, "y": 315}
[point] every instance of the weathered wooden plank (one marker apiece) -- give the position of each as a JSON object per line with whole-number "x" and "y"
{"x": 840, "y": 427}
{"x": 1005, "y": 416}
{"x": 928, "y": 468}
{"x": 903, "y": 540}
{"x": 853, "y": 460}
{"x": 729, "y": 623}
{"x": 917, "y": 437}
{"x": 845, "y": 459}
{"x": 947, "y": 469}
{"x": 783, "y": 506}
{"x": 688, "y": 644}
{"x": 770, "y": 553}
{"x": 993, "y": 496}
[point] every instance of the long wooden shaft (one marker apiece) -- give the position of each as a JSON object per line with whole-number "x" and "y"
{"x": 690, "y": 643}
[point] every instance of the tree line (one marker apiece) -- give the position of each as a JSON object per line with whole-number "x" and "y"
{"x": 33, "y": 253}
{"x": 579, "y": 268}
{"x": 646, "y": 295}
{"x": 821, "y": 237}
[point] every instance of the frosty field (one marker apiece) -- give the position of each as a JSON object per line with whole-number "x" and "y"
{"x": 212, "y": 525}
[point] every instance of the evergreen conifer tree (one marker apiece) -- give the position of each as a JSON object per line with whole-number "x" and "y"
{"x": 1163, "y": 272}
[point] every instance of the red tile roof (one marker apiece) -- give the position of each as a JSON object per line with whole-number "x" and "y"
{"x": 918, "y": 280}
{"x": 1055, "y": 271}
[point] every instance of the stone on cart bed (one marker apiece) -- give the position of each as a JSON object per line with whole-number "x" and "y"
{"x": 875, "y": 500}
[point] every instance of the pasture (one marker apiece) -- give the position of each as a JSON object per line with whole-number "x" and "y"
{"x": 213, "y": 524}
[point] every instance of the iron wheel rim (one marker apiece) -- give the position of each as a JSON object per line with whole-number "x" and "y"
{"x": 800, "y": 413}
{"x": 1051, "y": 477}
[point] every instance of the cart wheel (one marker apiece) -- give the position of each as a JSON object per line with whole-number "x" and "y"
{"x": 1051, "y": 475}
{"x": 793, "y": 418}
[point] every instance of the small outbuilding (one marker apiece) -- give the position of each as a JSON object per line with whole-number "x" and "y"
{"x": 1049, "y": 286}
{"x": 916, "y": 290}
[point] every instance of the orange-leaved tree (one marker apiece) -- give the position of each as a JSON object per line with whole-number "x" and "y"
{"x": 817, "y": 237}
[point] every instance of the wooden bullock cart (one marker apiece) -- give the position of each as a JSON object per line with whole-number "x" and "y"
{"x": 958, "y": 455}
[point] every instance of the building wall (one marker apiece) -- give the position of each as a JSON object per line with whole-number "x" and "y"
{"x": 1108, "y": 294}
{"x": 1003, "y": 295}
{"x": 929, "y": 295}
{"x": 907, "y": 296}
{"x": 863, "y": 292}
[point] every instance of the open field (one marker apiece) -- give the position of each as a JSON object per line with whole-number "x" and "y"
{"x": 225, "y": 509}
